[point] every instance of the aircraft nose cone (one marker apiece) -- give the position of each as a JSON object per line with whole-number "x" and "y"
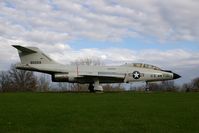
{"x": 176, "y": 76}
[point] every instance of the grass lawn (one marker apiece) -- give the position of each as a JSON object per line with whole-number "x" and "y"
{"x": 107, "y": 112}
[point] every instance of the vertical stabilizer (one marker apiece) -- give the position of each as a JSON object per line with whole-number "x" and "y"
{"x": 32, "y": 55}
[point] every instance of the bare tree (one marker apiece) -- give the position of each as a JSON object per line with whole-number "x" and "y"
{"x": 163, "y": 86}
{"x": 74, "y": 86}
{"x": 187, "y": 87}
{"x": 5, "y": 82}
{"x": 22, "y": 80}
{"x": 43, "y": 83}
{"x": 191, "y": 86}
{"x": 195, "y": 83}
{"x": 88, "y": 61}
{"x": 17, "y": 80}
{"x": 113, "y": 87}
{"x": 63, "y": 86}
{"x": 168, "y": 85}
{"x": 154, "y": 87}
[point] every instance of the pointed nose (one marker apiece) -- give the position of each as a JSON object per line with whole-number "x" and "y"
{"x": 176, "y": 76}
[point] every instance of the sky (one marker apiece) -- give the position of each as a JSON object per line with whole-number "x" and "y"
{"x": 161, "y": 33}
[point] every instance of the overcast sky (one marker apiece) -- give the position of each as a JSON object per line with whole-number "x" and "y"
{"x": 162, "y": 33}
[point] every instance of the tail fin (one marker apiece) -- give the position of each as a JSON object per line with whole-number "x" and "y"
{"x": 32, "y": 55}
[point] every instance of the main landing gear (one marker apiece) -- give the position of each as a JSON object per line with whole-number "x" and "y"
{"x": 91, "y": 87}
{"x": 96, "y": 87}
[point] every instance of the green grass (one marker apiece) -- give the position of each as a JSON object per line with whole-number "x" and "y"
{"x": 107, "y": 112}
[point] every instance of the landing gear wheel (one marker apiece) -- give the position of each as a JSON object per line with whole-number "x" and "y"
{"x": 91, "y": 88}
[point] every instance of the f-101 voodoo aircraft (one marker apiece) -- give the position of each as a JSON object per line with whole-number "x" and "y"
{"x": 33, "y": 59}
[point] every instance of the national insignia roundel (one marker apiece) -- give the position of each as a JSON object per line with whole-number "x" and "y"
{"x": 136, "y": 75}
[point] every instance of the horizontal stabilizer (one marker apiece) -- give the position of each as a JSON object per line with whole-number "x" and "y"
{"x": 24, "y": 49}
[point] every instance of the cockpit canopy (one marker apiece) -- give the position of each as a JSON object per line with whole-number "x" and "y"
{"x": 141, "y": 65}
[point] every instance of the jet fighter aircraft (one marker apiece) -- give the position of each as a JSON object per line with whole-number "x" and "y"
{"x": 33, "y": 59}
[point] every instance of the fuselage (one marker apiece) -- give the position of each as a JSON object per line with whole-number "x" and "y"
{"x": 105, "y": 74}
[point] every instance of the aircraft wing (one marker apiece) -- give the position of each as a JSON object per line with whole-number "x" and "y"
{"x": 104, "y": 77}
{"x": 105, "y": 74}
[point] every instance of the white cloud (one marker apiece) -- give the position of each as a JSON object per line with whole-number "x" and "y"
{"x": 100, "y": 20}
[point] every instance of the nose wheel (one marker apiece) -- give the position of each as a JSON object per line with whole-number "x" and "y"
{"x": 147, "y": 87}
